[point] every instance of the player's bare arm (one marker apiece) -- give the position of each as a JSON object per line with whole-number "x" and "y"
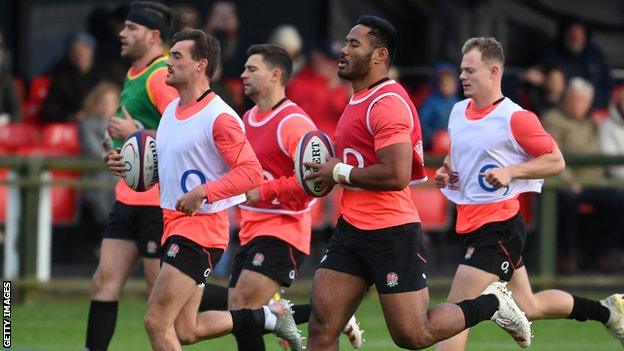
{"x": 543, "y": 166}
{"x": 392, "y": 173}
{"x": 190, "y": 202}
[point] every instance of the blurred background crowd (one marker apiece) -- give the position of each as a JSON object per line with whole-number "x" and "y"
{"x": 61, "y": 72}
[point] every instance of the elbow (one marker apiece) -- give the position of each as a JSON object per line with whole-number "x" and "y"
{"x": 399, "y": 183}
{"x": 559, "y": 165}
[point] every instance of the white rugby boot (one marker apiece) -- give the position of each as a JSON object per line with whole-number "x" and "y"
{"x": 354, "y": 333}
{"x": 285, "y": 326}
{"x": 615, "y": 325}
{"x": 509, "y": 316}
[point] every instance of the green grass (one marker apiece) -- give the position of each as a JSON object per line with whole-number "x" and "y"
{"x": 60, "y": 325}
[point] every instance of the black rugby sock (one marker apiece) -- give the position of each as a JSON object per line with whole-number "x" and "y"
{"x": 584, "y": 309}
{"x": 247, "y": 319}
{"x": 101, "y": 324}
{"x": 301, "y": 313}
{"x": 215, "y": 297}
{"x": 250, "y": 339}
{"x": 480, "y": 309}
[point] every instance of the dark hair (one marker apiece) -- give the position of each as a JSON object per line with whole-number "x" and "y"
{"x": 490, "y": 49}
{"x": 205, "y": 46}
{"x": 382, "y": 32}
{"x": 152, "y": 15}
{"x": 274, "y": 56}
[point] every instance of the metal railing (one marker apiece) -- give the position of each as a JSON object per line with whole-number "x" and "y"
{"x": 29, "y": 218}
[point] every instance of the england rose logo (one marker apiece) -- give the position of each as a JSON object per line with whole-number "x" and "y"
{"x": 257, "y": 260}
{"x": 173, "y": 250}
{"x": 392, "y": 279}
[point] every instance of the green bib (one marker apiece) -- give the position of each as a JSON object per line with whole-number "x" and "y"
{"x": 135, "y": 98}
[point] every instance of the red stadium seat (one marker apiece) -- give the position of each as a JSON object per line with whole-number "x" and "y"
{"x": 64, "y": 198}
{"x": 440, "y": 143}
{"x": 433, "y": 208}
{"x": 62, "y": 136}
{"x": 39, "y": 88}
{"x": 14, "y": 136}
{"x": 527, "y": 209}
{"x": 4, "y": 189}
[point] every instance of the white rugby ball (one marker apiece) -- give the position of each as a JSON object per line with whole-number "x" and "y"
{"x": 314, "y": 147}
{"x": 140, "y": 160}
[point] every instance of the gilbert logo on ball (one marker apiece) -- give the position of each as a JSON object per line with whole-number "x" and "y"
{"x": 140, "y": 160}
{"x": 314, "y": 147}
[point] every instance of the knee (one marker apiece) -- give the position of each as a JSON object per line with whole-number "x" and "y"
{"x": 413, "y": 339}
{"x": 236, "y": 302}
{"x": 102, "y": 282}
{"x": 152, "y": 326}
{"x": 530, "y": 308}
{"x": 186, "y": 337}
{"x": 322, "y": 328}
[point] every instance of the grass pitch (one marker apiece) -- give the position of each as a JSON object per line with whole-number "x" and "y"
{"x": 60, "y": 326}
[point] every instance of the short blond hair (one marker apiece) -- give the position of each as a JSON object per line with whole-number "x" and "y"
{"x": 490, "y": 48}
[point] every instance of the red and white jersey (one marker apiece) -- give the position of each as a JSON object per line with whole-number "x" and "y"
{"x": 188, "y": 156}
{"x": 284, "y": 209}
{"x": 480, "y": 145}
{"x": 375, "y": 118}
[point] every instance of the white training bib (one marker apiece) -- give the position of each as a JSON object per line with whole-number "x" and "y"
{"x": 188, "y": 156}
{"x": 480, "y": 145}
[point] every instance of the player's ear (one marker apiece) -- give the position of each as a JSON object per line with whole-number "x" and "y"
{"x": 202, "y": 65}
{"x": 277, "y": 75}
{"x": 381, "y": 54}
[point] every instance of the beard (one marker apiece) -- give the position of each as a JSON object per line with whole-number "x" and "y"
{"x": 360, "y": 67}
{"x": 135, "y": 51}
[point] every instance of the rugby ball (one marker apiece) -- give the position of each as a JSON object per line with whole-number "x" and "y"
{"x": 140, "y": 160}
{"x": 314, "y": 147}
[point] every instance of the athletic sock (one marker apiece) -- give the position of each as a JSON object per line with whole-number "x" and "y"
{"x": 301, "y": 313}
{"x": 479, "y": 309}
{"x": 101, "y": 324}
{"x": 584, "y": 309}
{"x": 250, "y": 340}
{"x": 246, "y": 318}
{"x": 215, "y": 297}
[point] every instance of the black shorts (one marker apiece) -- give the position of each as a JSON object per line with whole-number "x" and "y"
{"x": 497, "y": 247}
{"x": 268, "y": 256}
{"x": 392, "y": 258}
{"x": 189, "y": 257}
{"x": 141, "y": 224}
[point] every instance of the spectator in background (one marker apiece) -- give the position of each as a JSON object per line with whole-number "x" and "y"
{"x": 104, "y": 25}
{"x": 287, "y": 36}
{"x": 10, "y": 104}
{"x": 577, "y": 134}
{"x": 318, "y": 89}
{"x": 99, "y": 107}
{"x": 612, "y": 133}
{"x": 436, "y": 109}
{"x": 222, "y": 23}
{"x": 548, "y": 96}
{"x": 612, "y": 143}
{"x": 576, "y": 56}
{"x": 184, "y": 16}
{"x": 73, "y": 77}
